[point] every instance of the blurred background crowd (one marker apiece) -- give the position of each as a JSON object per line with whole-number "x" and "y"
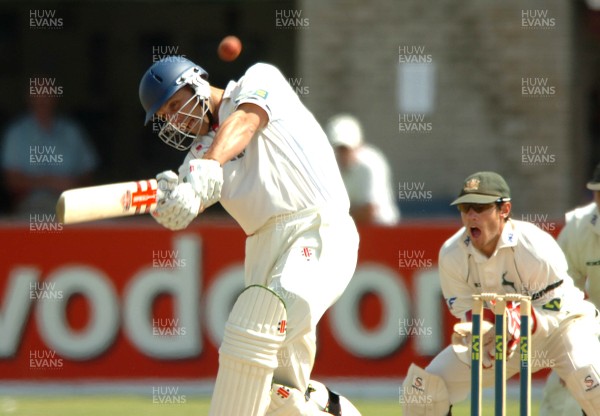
{"x": 438, "y": 89}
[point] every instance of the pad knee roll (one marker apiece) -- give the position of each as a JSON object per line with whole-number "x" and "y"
{"x": 256, "y": 328}
{"x": 254, "y": 334}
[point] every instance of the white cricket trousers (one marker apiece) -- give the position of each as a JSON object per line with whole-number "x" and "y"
{"x": 308, "y": 259}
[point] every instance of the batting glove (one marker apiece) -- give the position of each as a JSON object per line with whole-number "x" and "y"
{"x": 177, "y": 203}
{"x": 166, "y": 181}
{"x": 206, "y": 178}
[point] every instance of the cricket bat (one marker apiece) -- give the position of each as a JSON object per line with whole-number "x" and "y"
{"x": 106, "y": 201}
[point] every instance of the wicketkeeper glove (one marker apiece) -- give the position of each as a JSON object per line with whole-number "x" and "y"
{"x": 513, "y": 328}
{"x": 206, "y": 178}
{"x": 463, "y": 335}
{"x": 513, "y": 325}
{"x": 463, "y": 332}
{"x": 177, "y": 203}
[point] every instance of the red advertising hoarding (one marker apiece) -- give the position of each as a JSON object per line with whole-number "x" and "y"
{"x": 124, "y": 301}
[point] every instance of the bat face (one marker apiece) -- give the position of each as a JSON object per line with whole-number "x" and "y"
{"x": 106, "y": 201}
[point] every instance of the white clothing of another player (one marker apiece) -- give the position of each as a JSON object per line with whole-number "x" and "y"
{"x": 365, "y": 171}
{"x": 280, "y": 182}
{"x": 492, "y": 253}
{"x": 580, "y": 241}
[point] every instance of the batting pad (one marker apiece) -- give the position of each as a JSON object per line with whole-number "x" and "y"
{"x": 584, "y": 385}
{"x": 254, "y": 333}
{"x": 424, "y": 394}
{"x": 288, "y": 401}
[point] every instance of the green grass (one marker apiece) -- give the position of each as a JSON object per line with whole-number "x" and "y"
{"x": 139, "y": 405}
{"x": 392, "y": 408}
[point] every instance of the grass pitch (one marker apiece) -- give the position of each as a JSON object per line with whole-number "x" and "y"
{"x": 185, "y": 406}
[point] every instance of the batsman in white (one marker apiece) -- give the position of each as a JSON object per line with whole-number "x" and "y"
{"x": 494, "y": 253}
{"x": 580, "y": 241}
{"x": 258, "y": 150}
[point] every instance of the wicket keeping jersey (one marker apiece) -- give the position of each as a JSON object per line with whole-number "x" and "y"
{"x": 527, "y": 261}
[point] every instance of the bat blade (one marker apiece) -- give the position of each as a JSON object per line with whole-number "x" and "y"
{"x": 106, "y": 201}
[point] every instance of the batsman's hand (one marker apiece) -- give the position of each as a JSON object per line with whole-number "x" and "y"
{"x": 206, "y": 178}
{"x": 166, "y": 182}
{"x": 177, "y": 203}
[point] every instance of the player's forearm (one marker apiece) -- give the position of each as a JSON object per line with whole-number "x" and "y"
{"x": 234, "y": 135}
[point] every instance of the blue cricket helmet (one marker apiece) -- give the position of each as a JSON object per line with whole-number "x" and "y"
{"x": 164, "y": 78}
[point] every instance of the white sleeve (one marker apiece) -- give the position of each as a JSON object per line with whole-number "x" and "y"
{"x": 541, "y": 265}
{"x": 453, "y": 280}
{"x": 568, "y": 242}
{"x": 260, "y": 87}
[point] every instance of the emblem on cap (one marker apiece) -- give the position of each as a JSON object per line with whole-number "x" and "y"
{"x": 472, "y": 185}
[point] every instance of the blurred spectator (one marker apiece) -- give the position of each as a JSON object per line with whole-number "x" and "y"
{"x": 43, "y": 154}
{"x": 365, "y": 171}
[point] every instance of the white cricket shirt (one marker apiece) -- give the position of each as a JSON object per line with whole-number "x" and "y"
{"x": 527, "y": 260}
{"x": 580, "y": 240}
{"x": 288, "y": 166}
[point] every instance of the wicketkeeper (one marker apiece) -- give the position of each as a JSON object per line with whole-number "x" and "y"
{"x": 256, "y": 148}
{"x": 493, "y": 253}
